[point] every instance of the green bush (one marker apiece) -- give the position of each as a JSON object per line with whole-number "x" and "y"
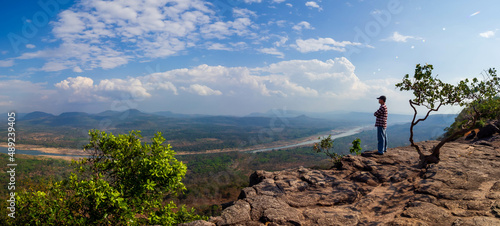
{"x": 488, "y": 109}
{"x": 356, "y": 147}
{"x": 124, "y": 182}
{"x": 326, "y": 146}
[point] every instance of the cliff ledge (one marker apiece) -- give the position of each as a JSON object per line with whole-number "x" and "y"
{"x": 463, "y": 189}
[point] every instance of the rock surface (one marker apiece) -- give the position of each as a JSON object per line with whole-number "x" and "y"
{"x": 463, "y": 189}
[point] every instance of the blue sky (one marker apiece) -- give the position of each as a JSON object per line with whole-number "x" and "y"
{"x": 234, "y": 57}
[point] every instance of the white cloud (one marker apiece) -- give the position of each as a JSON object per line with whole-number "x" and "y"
{"x": 222, "y": 30}
{"x": 289, "y": 4}
{"x": 322, "y": 44}
{"x": 108, "y": 34}
{"x": 218, "y": 46}
{"x": 296, "y": 84}
{"x": 313, "y": 5}
{"x": 331, "y": 78}
{"x": 487, "y": 34}
{"x": 6, "y": 63}
{"x": 278, "y": 1}
{"x": 202, "y": 90}
{"x": 281, "y": 42}
{"x": 302, "y": 25}
{"x": 77, "y": 69}
{"x": 305, "y": 78}
{"x": 279, "y": 23}
{"x": 252, "y": 1}
{"x": 30, "y": 46}
{"x": 239, "y": 12}
{"x": 54, "y": 66}
{"x": 272, "y": 51}
{"x": 82, "y": 89}
{"x": 396, "y": 37}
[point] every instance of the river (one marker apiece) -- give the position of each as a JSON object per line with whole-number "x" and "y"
{"x": 346, "y": 133}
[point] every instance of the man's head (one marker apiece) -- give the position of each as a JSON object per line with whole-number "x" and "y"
{"x": 381, "y": 99}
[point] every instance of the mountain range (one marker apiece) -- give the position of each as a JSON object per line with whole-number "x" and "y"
{"x": 197, "y": 132}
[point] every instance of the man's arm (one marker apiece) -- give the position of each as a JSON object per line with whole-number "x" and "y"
{"x": 378, "y": 112}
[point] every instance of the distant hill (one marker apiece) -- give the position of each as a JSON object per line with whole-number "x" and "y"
{"x": 84, "y": 120}
{"x": 357, "y": 118}
{"x": 170, "y": 114}
{"x": 193, "y": 133}
{"x": 35, "y": 115}
{"x": 184, "y": 132}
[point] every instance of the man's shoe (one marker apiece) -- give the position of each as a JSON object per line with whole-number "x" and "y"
{"x": 378, "y": 153}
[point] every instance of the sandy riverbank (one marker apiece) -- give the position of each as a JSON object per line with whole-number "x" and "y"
{"x": 60, "y": 151}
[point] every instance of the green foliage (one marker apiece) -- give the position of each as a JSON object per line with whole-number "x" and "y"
{"x": 488, "y": 109}
{"x": 428, "y": 90}
{"x": 356, "y": 147}
{"x": 432, "y": 93}
{"x": 326, "y": 146}
{"x": 125, "y": 182}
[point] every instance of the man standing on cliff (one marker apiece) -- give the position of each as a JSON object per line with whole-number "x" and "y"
{"x": 381, "y": 124}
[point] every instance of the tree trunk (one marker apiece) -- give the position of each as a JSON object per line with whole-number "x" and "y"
{"x": 434, "y": 157}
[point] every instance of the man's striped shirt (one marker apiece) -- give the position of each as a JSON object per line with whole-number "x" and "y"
{"x": 381, "y": 115}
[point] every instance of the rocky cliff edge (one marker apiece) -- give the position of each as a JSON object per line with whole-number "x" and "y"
{"x": 463, "y": 189}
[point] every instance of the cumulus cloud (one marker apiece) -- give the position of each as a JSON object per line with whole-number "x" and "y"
{"x": 82, "y": 89}
{"x": 108, "y": 34}
{"x": 322, "y": 44}
{"x": 302, "y": 25}
{"x": 313, "y": 5}
{"x": 487, "y": 34}
{"x": 30, "y": 46}
{"x": 221, "y": 30}
{"x": 202, "y": 90}
{"x": 298, "y": 84}
{"x": 396, "y": 37}
{"x": 305, "y": 78}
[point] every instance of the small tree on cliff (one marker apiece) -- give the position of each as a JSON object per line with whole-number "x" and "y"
{"x": 431, "y": 93}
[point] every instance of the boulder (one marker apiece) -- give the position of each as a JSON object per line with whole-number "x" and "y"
{"x": 488, "y": 131}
